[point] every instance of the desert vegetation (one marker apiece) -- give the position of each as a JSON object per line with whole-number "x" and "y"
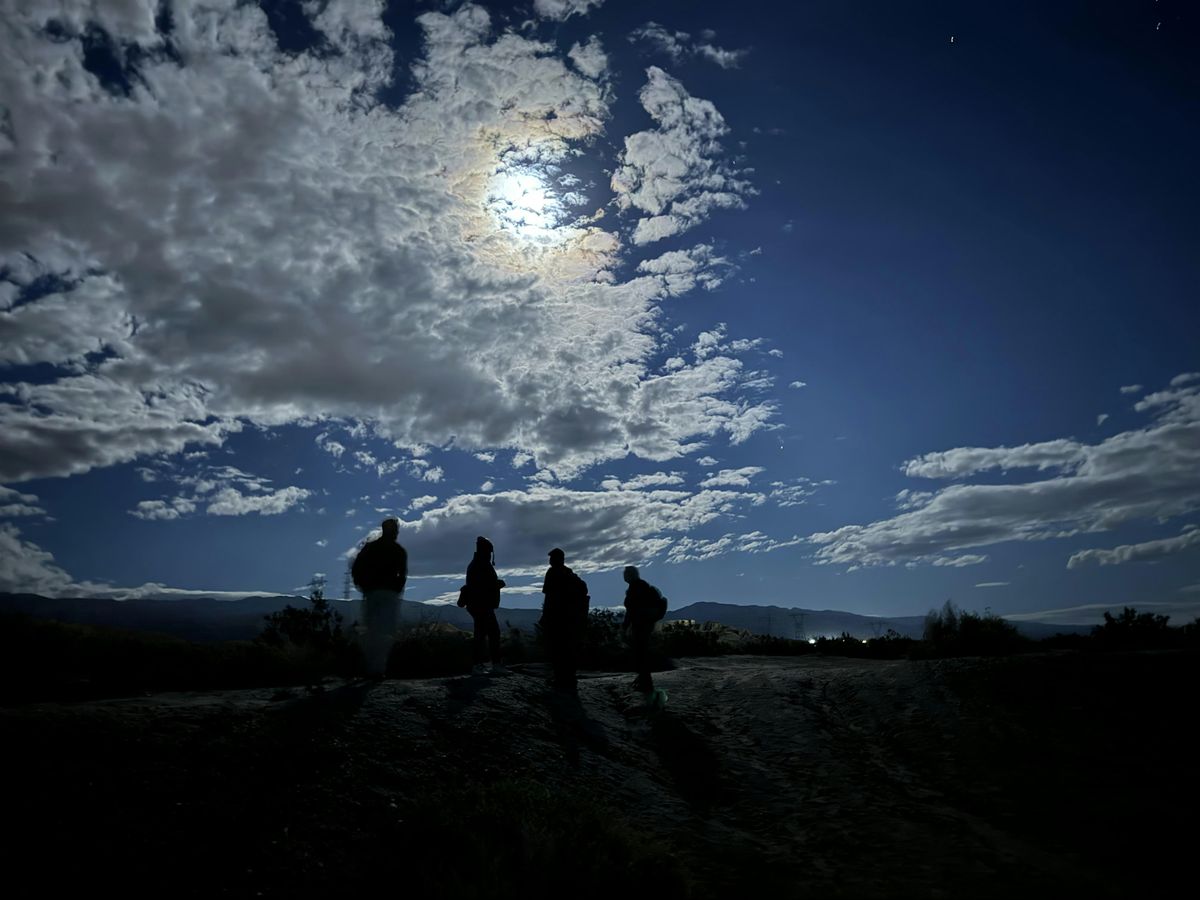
{"x": 301, "y": 645}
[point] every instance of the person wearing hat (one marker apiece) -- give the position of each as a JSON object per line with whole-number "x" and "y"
{"x": 562, "y": 625}
{"x": 481, "y": 597}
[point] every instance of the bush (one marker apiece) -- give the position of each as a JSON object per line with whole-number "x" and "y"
{"x": 1132, "y": 630}
{"x": 954, "y": 632}
{"x": 311, "y": 642}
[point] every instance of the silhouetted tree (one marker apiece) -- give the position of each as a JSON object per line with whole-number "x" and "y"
{"x": 1132, "y": 630}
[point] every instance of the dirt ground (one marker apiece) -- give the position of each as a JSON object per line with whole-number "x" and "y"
{"x": 1061, "y": 774}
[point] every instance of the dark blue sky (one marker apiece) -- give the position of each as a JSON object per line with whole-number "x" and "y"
{"x": 946, "y": 238}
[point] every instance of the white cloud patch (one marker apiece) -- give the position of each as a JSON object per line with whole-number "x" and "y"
{"x": 1102, "y": 418}
{"x": 422, "y": 502}
{"x": 732, "y": 477}
{"x": 561, "y": 10}
{"x": 1131, "y": 388}
{"x": 268, "y": 243}
{"x": 1151, "y": 474}
{"x": 675, "y": 173}
{"x": 640, "y": 482}
{"x": 597, "y": 529}
{"x": 15, "y": 503}
{"x": 798, "y": 384}
{"x": 231, "y": 502}
{"x": 163, "y": 510}
{"x": 1148, "y": 551}
{"x": 992, "y": 584}
{"x": 679, "y": 45}
{"x": 590, "y": 58}
{"x": 707, "y": 461}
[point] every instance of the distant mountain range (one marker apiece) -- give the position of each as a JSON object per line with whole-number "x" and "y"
{"x": 208, "y": 619}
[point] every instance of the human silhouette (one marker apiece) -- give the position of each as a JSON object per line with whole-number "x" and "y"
{"x": 564, "y": 618}
{"x": 481, "y": 596}
{"x": 644, "y": 605}
{"x": 379, "y": 571}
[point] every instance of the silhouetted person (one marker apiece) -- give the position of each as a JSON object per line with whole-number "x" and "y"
{"x": 481, "y": 597}
{"x": 564, "y": 618}
{"x": 379, "y": 571}
{"x": 644, "y": 606}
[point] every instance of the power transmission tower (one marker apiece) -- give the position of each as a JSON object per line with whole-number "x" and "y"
{"x": 798, "y": 632}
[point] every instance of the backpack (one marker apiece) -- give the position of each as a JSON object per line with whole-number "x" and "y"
{"x": 658, "y": 608}
{"x": 579, "y": 595}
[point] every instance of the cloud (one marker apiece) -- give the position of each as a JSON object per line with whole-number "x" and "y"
{"x": 561, "y": 10}
{"x": 1147, "y": 474}
{"x": 798, "y": 384}
{"x": 230, "y": 502}
{"x": 678, "y": 45}
{"x": 270, "y": 243}
{"x": 992, "y": 584}
{"x": 638, "y": 482}
{"x": 675, "y": 173}
{"x": 1185, "y": 378}
{"x": 323, "y": 542}
{"x": 1130, "y": 388}
{"x": 163, "y": 510}
{"x": 14, "y": 503}
{"x": 422, "y": 502}
{"x": 707, "y": 461}
{"x": 1093, "y": 613}
{"x": 732, "y": 477}
{"x": 964, "y": 461}
{"x": 25, "y": 567}
{"x": 1148, "y": 551}
{"x": 1100, "y": 419}
{"x": 590, "y": 58}
{"x": 598, "y": 529}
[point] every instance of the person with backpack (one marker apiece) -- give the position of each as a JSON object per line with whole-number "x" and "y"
{"x": 564, "y": 619}
{"x": 481, "y": 597}
{"x": 379, "y": 571}
{"x": 644, "y": 606}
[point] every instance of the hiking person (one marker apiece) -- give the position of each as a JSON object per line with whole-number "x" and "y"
{"x": 564, "y": 619}
{"x": 481, "y": 597}
{"x": 379, "y": 571}
{"x": 644, "y": 606}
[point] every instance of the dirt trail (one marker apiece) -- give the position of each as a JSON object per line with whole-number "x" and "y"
{"x": 818, "y": 777}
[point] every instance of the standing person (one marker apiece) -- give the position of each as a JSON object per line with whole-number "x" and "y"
{"x": 644, "y": 605}
{"x": 481, "y": 596}
{"x": 565, "y": 597}
{"x": 379, "y": 571}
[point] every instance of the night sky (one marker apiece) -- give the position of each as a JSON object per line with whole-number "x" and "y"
{"x": 849, "y": 305}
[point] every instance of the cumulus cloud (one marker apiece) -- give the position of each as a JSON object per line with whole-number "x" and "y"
{"x": 268, "y": 242}
{"x": 231, "y": 502}
{"x": 597, "y": 529}
{"x": 1148, "y": 551}
{"x": 679, "y": 45}
{"x": 707, "y": 461}
{"x": 561, "y": 10}
{"x": 1131, "y": 388}
{"x": 1150, "y": 474}
{"x": 675, "y": 173}
{"x": 638, "y": 482}
{"x": 14, "y": 503}
{"x": 590, "y": 58}
{"x": 798, "y": 384}
{"x": 732, "y": 477}
{"x": 163, "y": 510}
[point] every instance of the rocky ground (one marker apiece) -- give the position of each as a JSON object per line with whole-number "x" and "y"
{"x": 1066, "y": 774}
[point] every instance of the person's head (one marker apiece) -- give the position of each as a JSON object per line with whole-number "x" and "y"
{"x": 391, "y": 529}
{"x": 631, "y": 574}
{"x": 483, "y": 547}
{"x": 557, "y": 557}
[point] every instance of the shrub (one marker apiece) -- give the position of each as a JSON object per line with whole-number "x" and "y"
{"x": 954, "y": 632}
{"x": 1132, "y": 630}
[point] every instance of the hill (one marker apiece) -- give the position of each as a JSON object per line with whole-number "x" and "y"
{"x": 1038, "y": 775}
{"x": 209, "y": 619}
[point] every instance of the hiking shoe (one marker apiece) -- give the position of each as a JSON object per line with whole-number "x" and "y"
{"x": 478, "y": 669}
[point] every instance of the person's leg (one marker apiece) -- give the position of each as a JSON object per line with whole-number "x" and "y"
{"x": 379, "y": 619}
{"x": 479, "y": 642}
{"x": 641, "y": 658}
{"x": 493, "y": 635}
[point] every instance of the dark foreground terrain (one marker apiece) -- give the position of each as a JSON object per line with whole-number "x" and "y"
{"x": 1046, "y": 775}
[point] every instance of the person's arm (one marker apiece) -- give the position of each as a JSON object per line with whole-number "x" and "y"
{"x": 403, "y": 570}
